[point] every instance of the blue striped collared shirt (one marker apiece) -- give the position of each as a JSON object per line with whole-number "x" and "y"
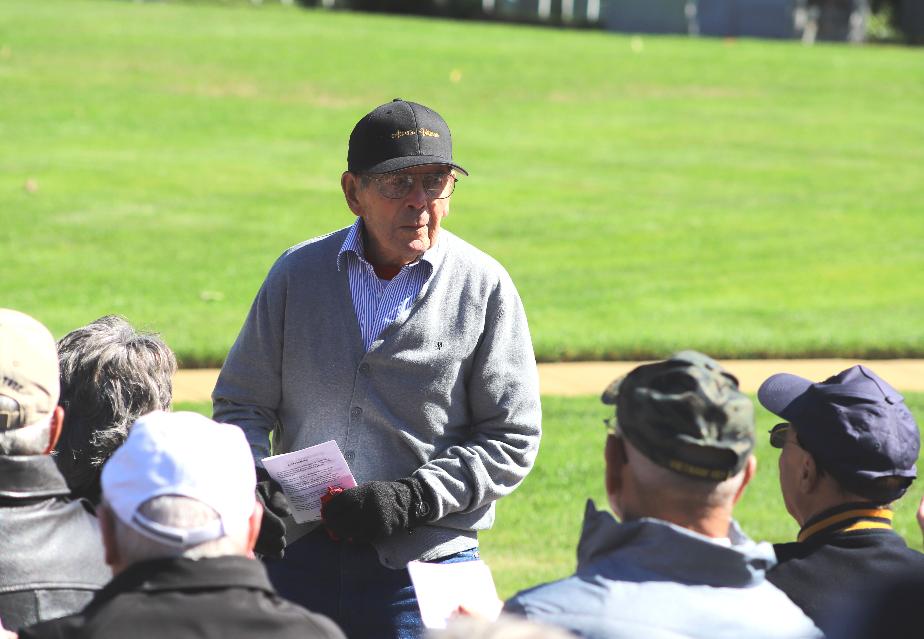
{"x": 378, "y": 303}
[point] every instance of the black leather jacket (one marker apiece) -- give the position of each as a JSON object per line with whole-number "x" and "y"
{"x": 215, "y": 598}
{"x": 51, "y": 552}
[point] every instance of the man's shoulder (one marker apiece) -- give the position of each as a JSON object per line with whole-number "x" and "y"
{"x": 466, "y": 263}
{"x": 466, "y": 253}
{"x": 552, "y": 597}
{"x": 315, "y": 248}
{"x": 65, "y": 538}
{"x": 866, "y": 551}
{"x": 596, "y": 606}
{"x": 143, "y": 613}
{"x": 314, "y": 255}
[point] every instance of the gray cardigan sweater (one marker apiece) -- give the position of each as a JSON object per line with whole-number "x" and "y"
{"x": 448, "y": 393}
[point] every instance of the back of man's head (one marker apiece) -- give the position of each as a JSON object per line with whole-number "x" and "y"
{"x": 855, "y": 426}
{"x": 28, "y": 384}
{"x": 688, "y": 435}
{"x": 180, "y": 486}
{"x": 111, "y": 374}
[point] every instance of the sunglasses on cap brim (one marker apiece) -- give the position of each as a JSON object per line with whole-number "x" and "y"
{"x": 778, "y": 434}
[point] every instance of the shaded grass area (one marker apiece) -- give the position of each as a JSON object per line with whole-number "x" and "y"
{"x": 538, "y": 526}
{"x": 744, "y": 198}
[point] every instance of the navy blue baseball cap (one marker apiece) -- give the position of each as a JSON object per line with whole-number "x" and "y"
{"x": 398, "y": 135}
{"x": 855, "y": 424}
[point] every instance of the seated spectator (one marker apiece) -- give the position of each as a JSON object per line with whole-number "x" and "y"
{"x": 847, "y": 451}
{"x": 179, "y": 519}
{"x": 677, "y": 461}
{"x": 110, "y": 375}
{"x": 52, "y": 559}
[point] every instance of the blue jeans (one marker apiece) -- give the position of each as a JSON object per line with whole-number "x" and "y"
{"x": 347, "y": 583}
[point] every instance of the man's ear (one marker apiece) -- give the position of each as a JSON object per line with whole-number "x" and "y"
{"x": 107, "y": 529}
{"x": 350, "y": 183}
{"x": 750, "y": 469}
{"x": 253, "y": 527}
{"x": 54, "y": 433}
{"x": 808, "y": 473}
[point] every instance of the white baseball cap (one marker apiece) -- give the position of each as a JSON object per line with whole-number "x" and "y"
{"x": 187, "y": 455}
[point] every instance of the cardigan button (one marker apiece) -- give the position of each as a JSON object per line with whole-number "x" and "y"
{"x": 356, "y": 411}
{"x": 364, "y": 368}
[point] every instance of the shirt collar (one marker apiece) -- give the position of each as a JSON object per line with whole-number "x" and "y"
{"x": 30, "y": 477}
{"x": 178, "y": 574}
{"x": 353, "y": 243}
{"x": 847, "y": 518}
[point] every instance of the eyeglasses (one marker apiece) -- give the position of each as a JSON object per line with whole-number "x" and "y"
{"x": 778, "y": 434}
{"x": 395, "y": 186}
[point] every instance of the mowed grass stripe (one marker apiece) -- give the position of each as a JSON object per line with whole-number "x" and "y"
{"x": 745, "y": 198}
{"x": 535, "y": 536}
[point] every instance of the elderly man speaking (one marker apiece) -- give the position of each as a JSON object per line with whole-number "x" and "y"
{"x": 408, "y": 347}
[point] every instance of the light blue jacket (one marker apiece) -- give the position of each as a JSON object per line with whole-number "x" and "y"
{"x": 650, "y": 578}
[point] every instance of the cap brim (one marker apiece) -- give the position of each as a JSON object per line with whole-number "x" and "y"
{"x": 778, "y": 393}
{"x": 396, "y": 164}
{"x": 611, "y": 392}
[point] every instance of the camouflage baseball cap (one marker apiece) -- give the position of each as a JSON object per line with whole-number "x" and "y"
{"x": 685, "y": 413}
{"x": 29, "y": 384}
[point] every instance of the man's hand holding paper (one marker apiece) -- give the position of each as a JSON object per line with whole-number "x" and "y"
{"x": 376, "y": 509}
{"x": 305, "y": 475}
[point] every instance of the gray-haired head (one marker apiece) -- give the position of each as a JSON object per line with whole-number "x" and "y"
{"x": 111, "y": 374}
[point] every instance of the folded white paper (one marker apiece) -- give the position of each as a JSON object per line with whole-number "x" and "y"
{"x": 443, "y": 588}
{"x": 306, "y": 474}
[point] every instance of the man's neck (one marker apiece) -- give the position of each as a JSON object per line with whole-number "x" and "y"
{"x": 712, "y": 522}
{"x": 385, "y": 272}
{"x": 825, "y": 495}
{"x": 713, "y": 526}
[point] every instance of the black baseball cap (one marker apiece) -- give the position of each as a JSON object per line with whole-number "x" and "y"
{"x": 398, "y": 135}
{"x": 855, "y": 424}
{"x": 686, "y": 414}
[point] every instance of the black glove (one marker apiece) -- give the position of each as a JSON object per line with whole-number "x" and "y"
{"x": 376, "y": 509}
{"x": 271, "y": 541}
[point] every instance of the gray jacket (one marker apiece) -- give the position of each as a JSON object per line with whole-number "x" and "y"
{"x": 650, "y": 578}
{"x": 51, "y": 562}
{"x": 448, "y": 393}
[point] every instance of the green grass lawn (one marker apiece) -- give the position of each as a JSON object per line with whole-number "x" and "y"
{"x": 740, "y": 197}
{"x": 537, "y": 528}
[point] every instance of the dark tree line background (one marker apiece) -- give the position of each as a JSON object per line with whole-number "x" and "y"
{"x": 906, "y": 16}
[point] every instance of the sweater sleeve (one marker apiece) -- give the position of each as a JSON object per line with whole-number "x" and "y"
{"x": 248, "y": 389}
{"x": 503, "y": 401}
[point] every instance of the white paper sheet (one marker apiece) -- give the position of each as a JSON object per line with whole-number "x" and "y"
{"x": 306, "y": 474}
{"x": 442, "y": 588}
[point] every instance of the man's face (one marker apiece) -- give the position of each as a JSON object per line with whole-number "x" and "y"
{"x": 792, "y": 458}
{"x": 398, "y": 230}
